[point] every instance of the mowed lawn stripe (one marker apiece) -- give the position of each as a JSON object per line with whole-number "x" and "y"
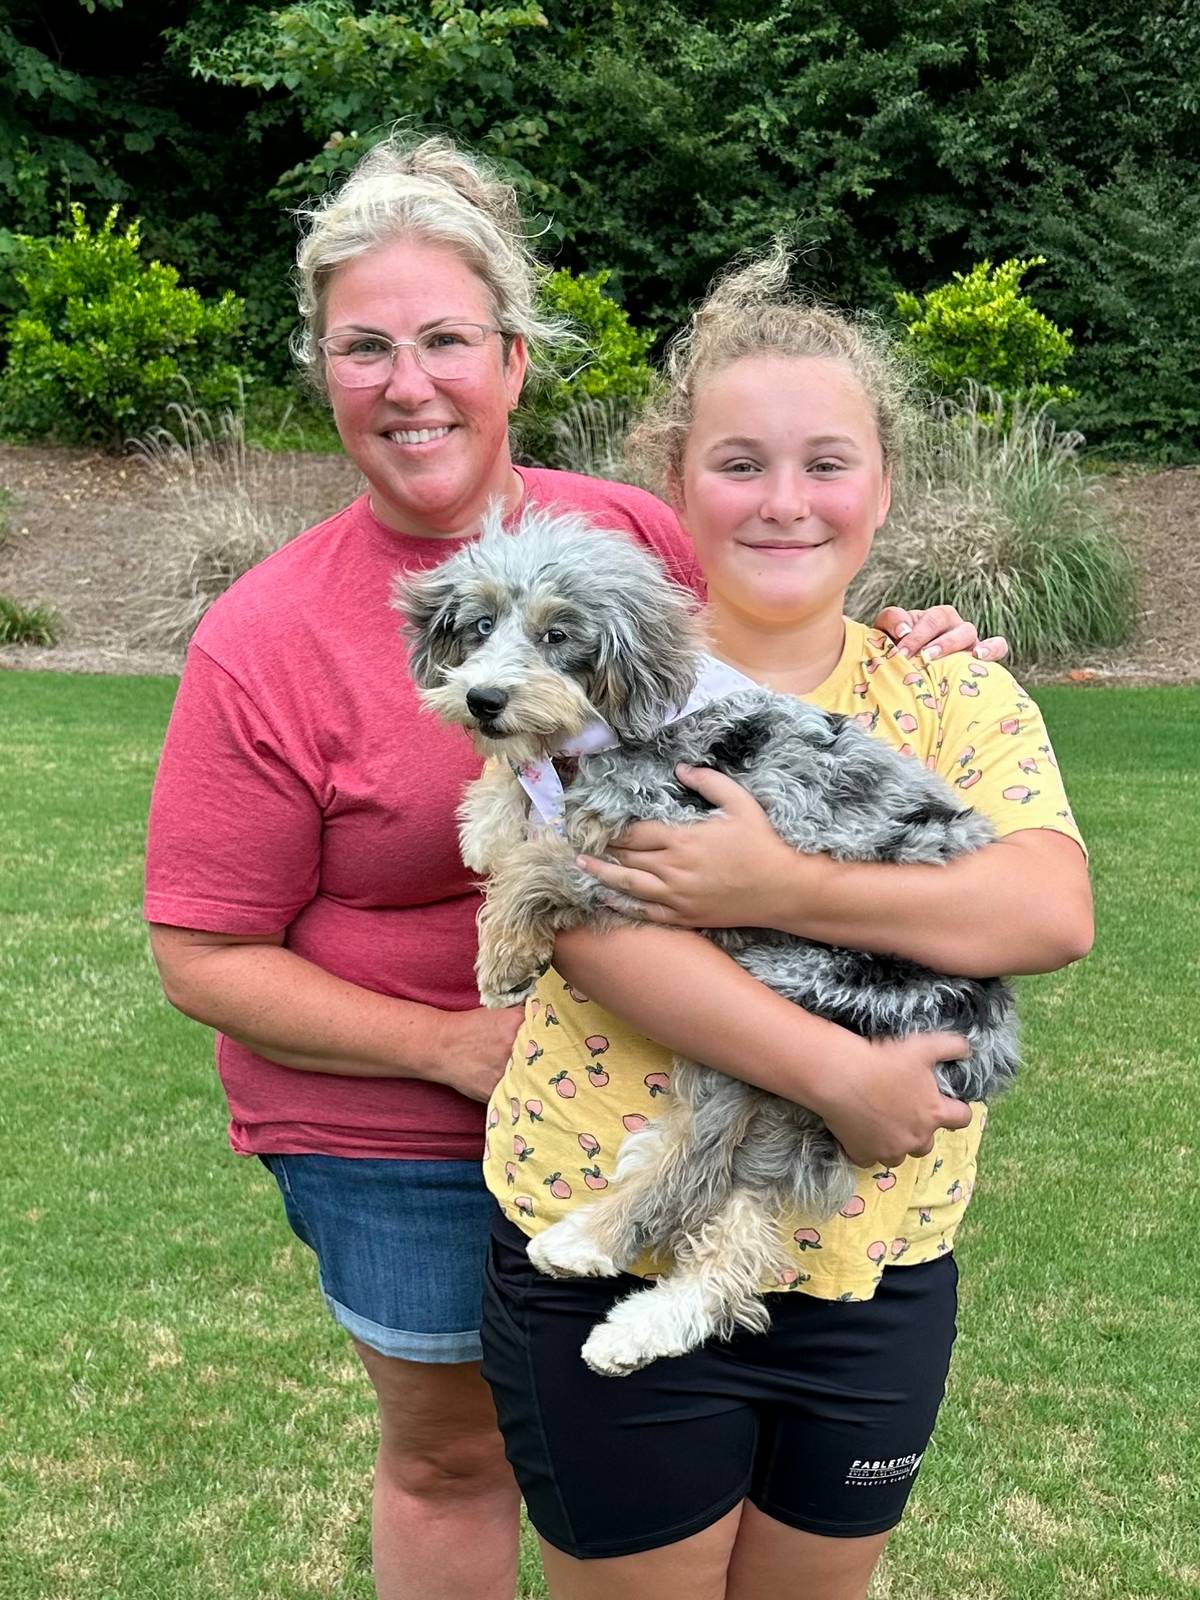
{"x": 180, "y": 1420}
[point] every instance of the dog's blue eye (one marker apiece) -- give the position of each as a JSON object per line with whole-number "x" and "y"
{"x": 553, "y": 636}
{"x": 484, "y": 626}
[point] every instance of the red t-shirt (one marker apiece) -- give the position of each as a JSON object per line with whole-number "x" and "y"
{"x": 303, "y": 787}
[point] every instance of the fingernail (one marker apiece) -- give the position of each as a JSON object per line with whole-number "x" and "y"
{"x": 902, "y": 629}
{"x": 980, "y": 652}
{"x": 932, "y": 652}
{"x": 902, "y": 650}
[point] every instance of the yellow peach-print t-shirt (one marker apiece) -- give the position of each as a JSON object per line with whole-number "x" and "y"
{"x": 580, "y": 1080}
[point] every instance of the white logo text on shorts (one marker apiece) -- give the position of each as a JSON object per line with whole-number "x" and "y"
{"x": 863, "y": 1473}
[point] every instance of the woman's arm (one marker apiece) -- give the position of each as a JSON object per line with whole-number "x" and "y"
{"x": 1023, "y": 904}
{"x": 880, "y": 1100}
{"x": 294, "y": 1013}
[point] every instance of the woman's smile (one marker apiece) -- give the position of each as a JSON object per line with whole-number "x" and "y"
{"x": 431, "y": 433}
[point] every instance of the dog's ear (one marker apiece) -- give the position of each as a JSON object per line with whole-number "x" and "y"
{"x": 427, "y": 602}
{"x": 648, "y": 659}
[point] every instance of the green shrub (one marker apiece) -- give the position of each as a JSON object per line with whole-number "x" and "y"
{"x": 999, "y": 518}
{"x": 26, "y": 624}
{"x": 606, "y": 364}
{"x": 289, "y": 416}
{"x": 104, "y": 342}
{"x": 981, "y": 329}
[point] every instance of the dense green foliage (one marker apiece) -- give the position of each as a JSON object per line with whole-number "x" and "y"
{"x": 1129, "y": 283}
{"x": 981, "y": 329}
{"x": 103, "y": 341}
{"x": 608, "y": 364}
{"x": 656, "y": 140}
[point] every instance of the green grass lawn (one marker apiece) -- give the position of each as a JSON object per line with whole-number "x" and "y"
{"x": 179, "y": 1419}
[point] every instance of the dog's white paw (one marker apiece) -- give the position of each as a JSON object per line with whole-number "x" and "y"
{"x": 668, "y": 1320}
{"x": 615, "y": 1348}
{"x": 564, "y": 1251}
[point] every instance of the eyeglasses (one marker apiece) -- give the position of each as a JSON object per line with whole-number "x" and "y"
{"x": 362, "y": 360}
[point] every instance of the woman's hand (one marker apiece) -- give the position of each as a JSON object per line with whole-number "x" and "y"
{"x": 729, "y": 871}
{"x": 473, "y": 1048}
{"x": 937, "y": 631}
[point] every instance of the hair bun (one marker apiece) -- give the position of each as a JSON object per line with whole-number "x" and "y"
{"x": 440, "y": 164}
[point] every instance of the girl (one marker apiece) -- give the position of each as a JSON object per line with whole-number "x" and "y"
{"x": 775, "y": 1463}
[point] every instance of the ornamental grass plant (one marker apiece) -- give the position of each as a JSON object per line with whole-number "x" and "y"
{"x": 995, "y": 513}
{"x": 589, "y": 437}
{"x": 226, "y": 505}
{"x": 20, "y": 624}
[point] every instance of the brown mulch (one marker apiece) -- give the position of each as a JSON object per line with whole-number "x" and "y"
{"x": 83, "y": 527}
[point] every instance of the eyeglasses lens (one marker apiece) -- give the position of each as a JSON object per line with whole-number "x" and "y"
{"x": 449, "y": 352}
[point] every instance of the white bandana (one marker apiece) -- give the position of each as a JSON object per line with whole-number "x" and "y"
{"x": 541, "y": 782}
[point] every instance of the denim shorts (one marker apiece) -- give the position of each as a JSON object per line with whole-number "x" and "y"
{"x": 400, "y": 1248}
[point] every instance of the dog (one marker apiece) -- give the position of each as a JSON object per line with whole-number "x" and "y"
{"x": 567, "y": 654}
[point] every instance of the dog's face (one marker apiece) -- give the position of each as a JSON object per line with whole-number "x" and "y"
{"x": 525, "y": 637}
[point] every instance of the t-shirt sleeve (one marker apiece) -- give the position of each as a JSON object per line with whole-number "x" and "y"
{"x": 994, "y": 750}
{"x": 658, "y": 526}
{"x": 235, "y": 829}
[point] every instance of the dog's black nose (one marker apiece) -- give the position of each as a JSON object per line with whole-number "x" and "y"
{"x": 486, "y": 704}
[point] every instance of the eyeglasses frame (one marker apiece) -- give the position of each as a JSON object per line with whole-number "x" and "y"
{"x": 486, "y": 328}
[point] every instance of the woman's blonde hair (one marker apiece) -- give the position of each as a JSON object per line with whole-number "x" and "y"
{"x": 752, "y": 311}
{"x": 432, "y": 191}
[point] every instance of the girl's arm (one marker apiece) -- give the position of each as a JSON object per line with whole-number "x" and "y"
{"x": 285, "y": 1008}
{"x": 880, "y": 1100}
{"x": 1023, "y": 904}
{"x": 1020, "y": 905}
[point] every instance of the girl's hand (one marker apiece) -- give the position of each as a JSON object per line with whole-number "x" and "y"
{"x": 885, "y": 1105}
{"x": 938, "y": 631}
{"x": 730, "y": 871}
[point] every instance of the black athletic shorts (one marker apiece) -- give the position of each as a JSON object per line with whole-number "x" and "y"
{"x": 821, "y": 1422}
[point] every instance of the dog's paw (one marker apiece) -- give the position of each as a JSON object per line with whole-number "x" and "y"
{"x": 614, "y": 1349}
{"x": 501, "y": 985}
{"x": 564, "y": 1251}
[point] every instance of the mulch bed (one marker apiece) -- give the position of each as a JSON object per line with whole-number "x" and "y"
{"x": 83, "y": 527}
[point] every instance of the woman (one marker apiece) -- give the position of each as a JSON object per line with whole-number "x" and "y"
{"x": 303, "y": 882}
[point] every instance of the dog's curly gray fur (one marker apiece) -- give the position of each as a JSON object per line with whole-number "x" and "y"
{"x": 582, "y": 623}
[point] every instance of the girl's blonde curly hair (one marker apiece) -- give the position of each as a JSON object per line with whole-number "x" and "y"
{"x": 752, "y": 311}
{"x": 432, "y": 191}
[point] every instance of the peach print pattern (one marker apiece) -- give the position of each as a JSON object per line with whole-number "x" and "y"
{"x": 579, "y": 1081}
